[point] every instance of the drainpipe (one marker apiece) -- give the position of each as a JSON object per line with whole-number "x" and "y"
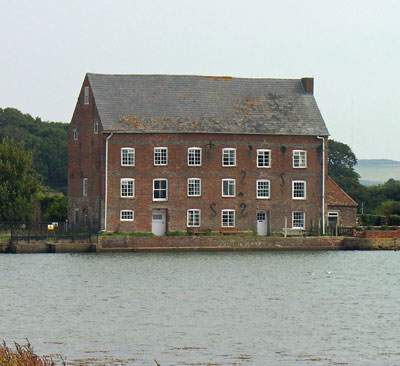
{"x": 106, "y": 184}
{"x": 323, "y": 183}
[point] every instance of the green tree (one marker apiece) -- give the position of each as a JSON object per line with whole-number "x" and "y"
{"x": 387, "y": 208}
{"x": 341, "y": 162}
{"x": 19, "y": 182}
{"x": 54, "y": 208}
{"x": 47, "y": 140}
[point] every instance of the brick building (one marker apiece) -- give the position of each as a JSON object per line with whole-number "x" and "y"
{"x": 342, "y": 209}
{"x": 164, "y": 153}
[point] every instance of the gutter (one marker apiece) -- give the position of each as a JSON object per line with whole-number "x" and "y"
{"x": 323, "y": 183}
{"x": 106, "y": 184}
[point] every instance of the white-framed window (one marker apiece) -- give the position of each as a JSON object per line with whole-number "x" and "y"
{"x": 127, "y": 156}
{"x": 263, "y": 188}
{"x": 127, "y": 187}
{"x": 194, "y": 156}
{"x": 229, "y": 156}
{"x": 193, "y": 218}
{"x": 263, "y": 158}
{"x": 95, "y": 126}
{"x": 160, "y": 189}
{"x": 86, "y": 95}
{"x": 298, "y": 220}
{"x": 194, "y": 187}
{"x": 127, "y": 215}
{"x": 228, "y": 218}
{"x": 228, "y": 187}
{"x": 299, "y": 190}
{"x": 160, "y": 156}
{"x": 299, "y": 159}
{"x": 75, "y": 133}
{"x": 85, "y": 187}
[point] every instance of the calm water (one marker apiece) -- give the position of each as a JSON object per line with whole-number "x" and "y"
{"x": 262, "y": 308}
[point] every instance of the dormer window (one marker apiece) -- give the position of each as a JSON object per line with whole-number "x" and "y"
{"x": 86, "y": 95}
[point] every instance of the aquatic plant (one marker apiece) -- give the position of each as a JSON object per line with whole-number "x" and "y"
{"x": 23, "y": 356}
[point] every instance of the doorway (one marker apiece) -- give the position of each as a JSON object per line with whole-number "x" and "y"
{"x": 159, "y": 222}
{"x": 262, "y": 223}
{"x": 333, "y": 219}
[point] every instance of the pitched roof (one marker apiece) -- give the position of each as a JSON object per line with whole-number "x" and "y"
{"x": 168, "y": 103}
{"x": 336, "y": 196}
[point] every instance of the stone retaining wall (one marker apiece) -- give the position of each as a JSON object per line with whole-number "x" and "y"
{"x": 371, "y": 243}
{"x": 59, "y": 246}
{"x": 188, "y": 243}
{"x": 146, "y": 243}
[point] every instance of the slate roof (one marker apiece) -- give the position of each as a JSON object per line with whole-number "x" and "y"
{"x": 169, "y": 103}
{"x": 336, "y": 196}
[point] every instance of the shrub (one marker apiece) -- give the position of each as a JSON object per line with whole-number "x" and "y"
{"x": 394, "y": 220}
{"x": 176, "y": 233}
{"x": 371, "y": 220}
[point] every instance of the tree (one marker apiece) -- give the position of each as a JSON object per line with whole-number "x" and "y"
{"x": 19, "y": 182}
{"x": 341, "y": 161}
{"x": 54, "y": 208}
{"x": 47, "y": 140}
{"x": 388, "y": 208}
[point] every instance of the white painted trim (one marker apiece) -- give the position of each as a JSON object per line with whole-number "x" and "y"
{"x": 269, "y": 189}
{"x": 126, "y": 181}
{"x": 270, "y": 156}
{"x": 187, "y": 217}
{"x": 133, "y": 215}
{"x": 222, "y": 217}
{"x": 154, "y": 157}
{"x": 194, "y": 195}
{"x": 166, "y": 188}
{"x": 234, "y": 187}
{"x": 229, "y": 149}
{"x": 195, "y": 148}
{"x": 305, "y": 159}
{"x": 305, "y": 189}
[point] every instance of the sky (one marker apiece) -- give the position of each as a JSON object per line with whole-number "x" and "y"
{"x": 351, "y": 48}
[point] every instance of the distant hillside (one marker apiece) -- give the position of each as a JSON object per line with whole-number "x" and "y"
{"x": 48, "y": 140}
{"x": 377, "y": 171}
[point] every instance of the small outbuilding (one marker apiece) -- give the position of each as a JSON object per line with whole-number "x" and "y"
{"x": 342, "y": 209}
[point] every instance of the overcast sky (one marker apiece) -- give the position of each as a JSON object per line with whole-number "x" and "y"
{"x": 351, "y": 48}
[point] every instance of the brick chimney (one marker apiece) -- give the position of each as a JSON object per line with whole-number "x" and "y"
{"x": 308, "y": 85}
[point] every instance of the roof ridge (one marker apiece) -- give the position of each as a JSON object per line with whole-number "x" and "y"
{"x": 216, "y": 77}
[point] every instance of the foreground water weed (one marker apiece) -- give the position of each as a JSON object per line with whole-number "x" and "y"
{"x": 23, "y": 356}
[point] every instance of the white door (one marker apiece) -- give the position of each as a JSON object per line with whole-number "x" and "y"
{"x": 262, "y": 226}
{"x": 159, "y": 222}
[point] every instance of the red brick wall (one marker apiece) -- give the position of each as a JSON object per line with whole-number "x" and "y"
{"x": 378, "y": 234}
{"x": 85, "y": 160}
{"x": 347, "y": 215}
{"x": 211, "y": 172}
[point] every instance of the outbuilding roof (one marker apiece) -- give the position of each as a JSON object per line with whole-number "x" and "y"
{"x": 336, "y": 196}
{"x": 189, "y": 104}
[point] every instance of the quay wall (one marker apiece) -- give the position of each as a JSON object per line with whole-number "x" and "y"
{"x": 201, "y": 243}
{"x": 182, "y": 243}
